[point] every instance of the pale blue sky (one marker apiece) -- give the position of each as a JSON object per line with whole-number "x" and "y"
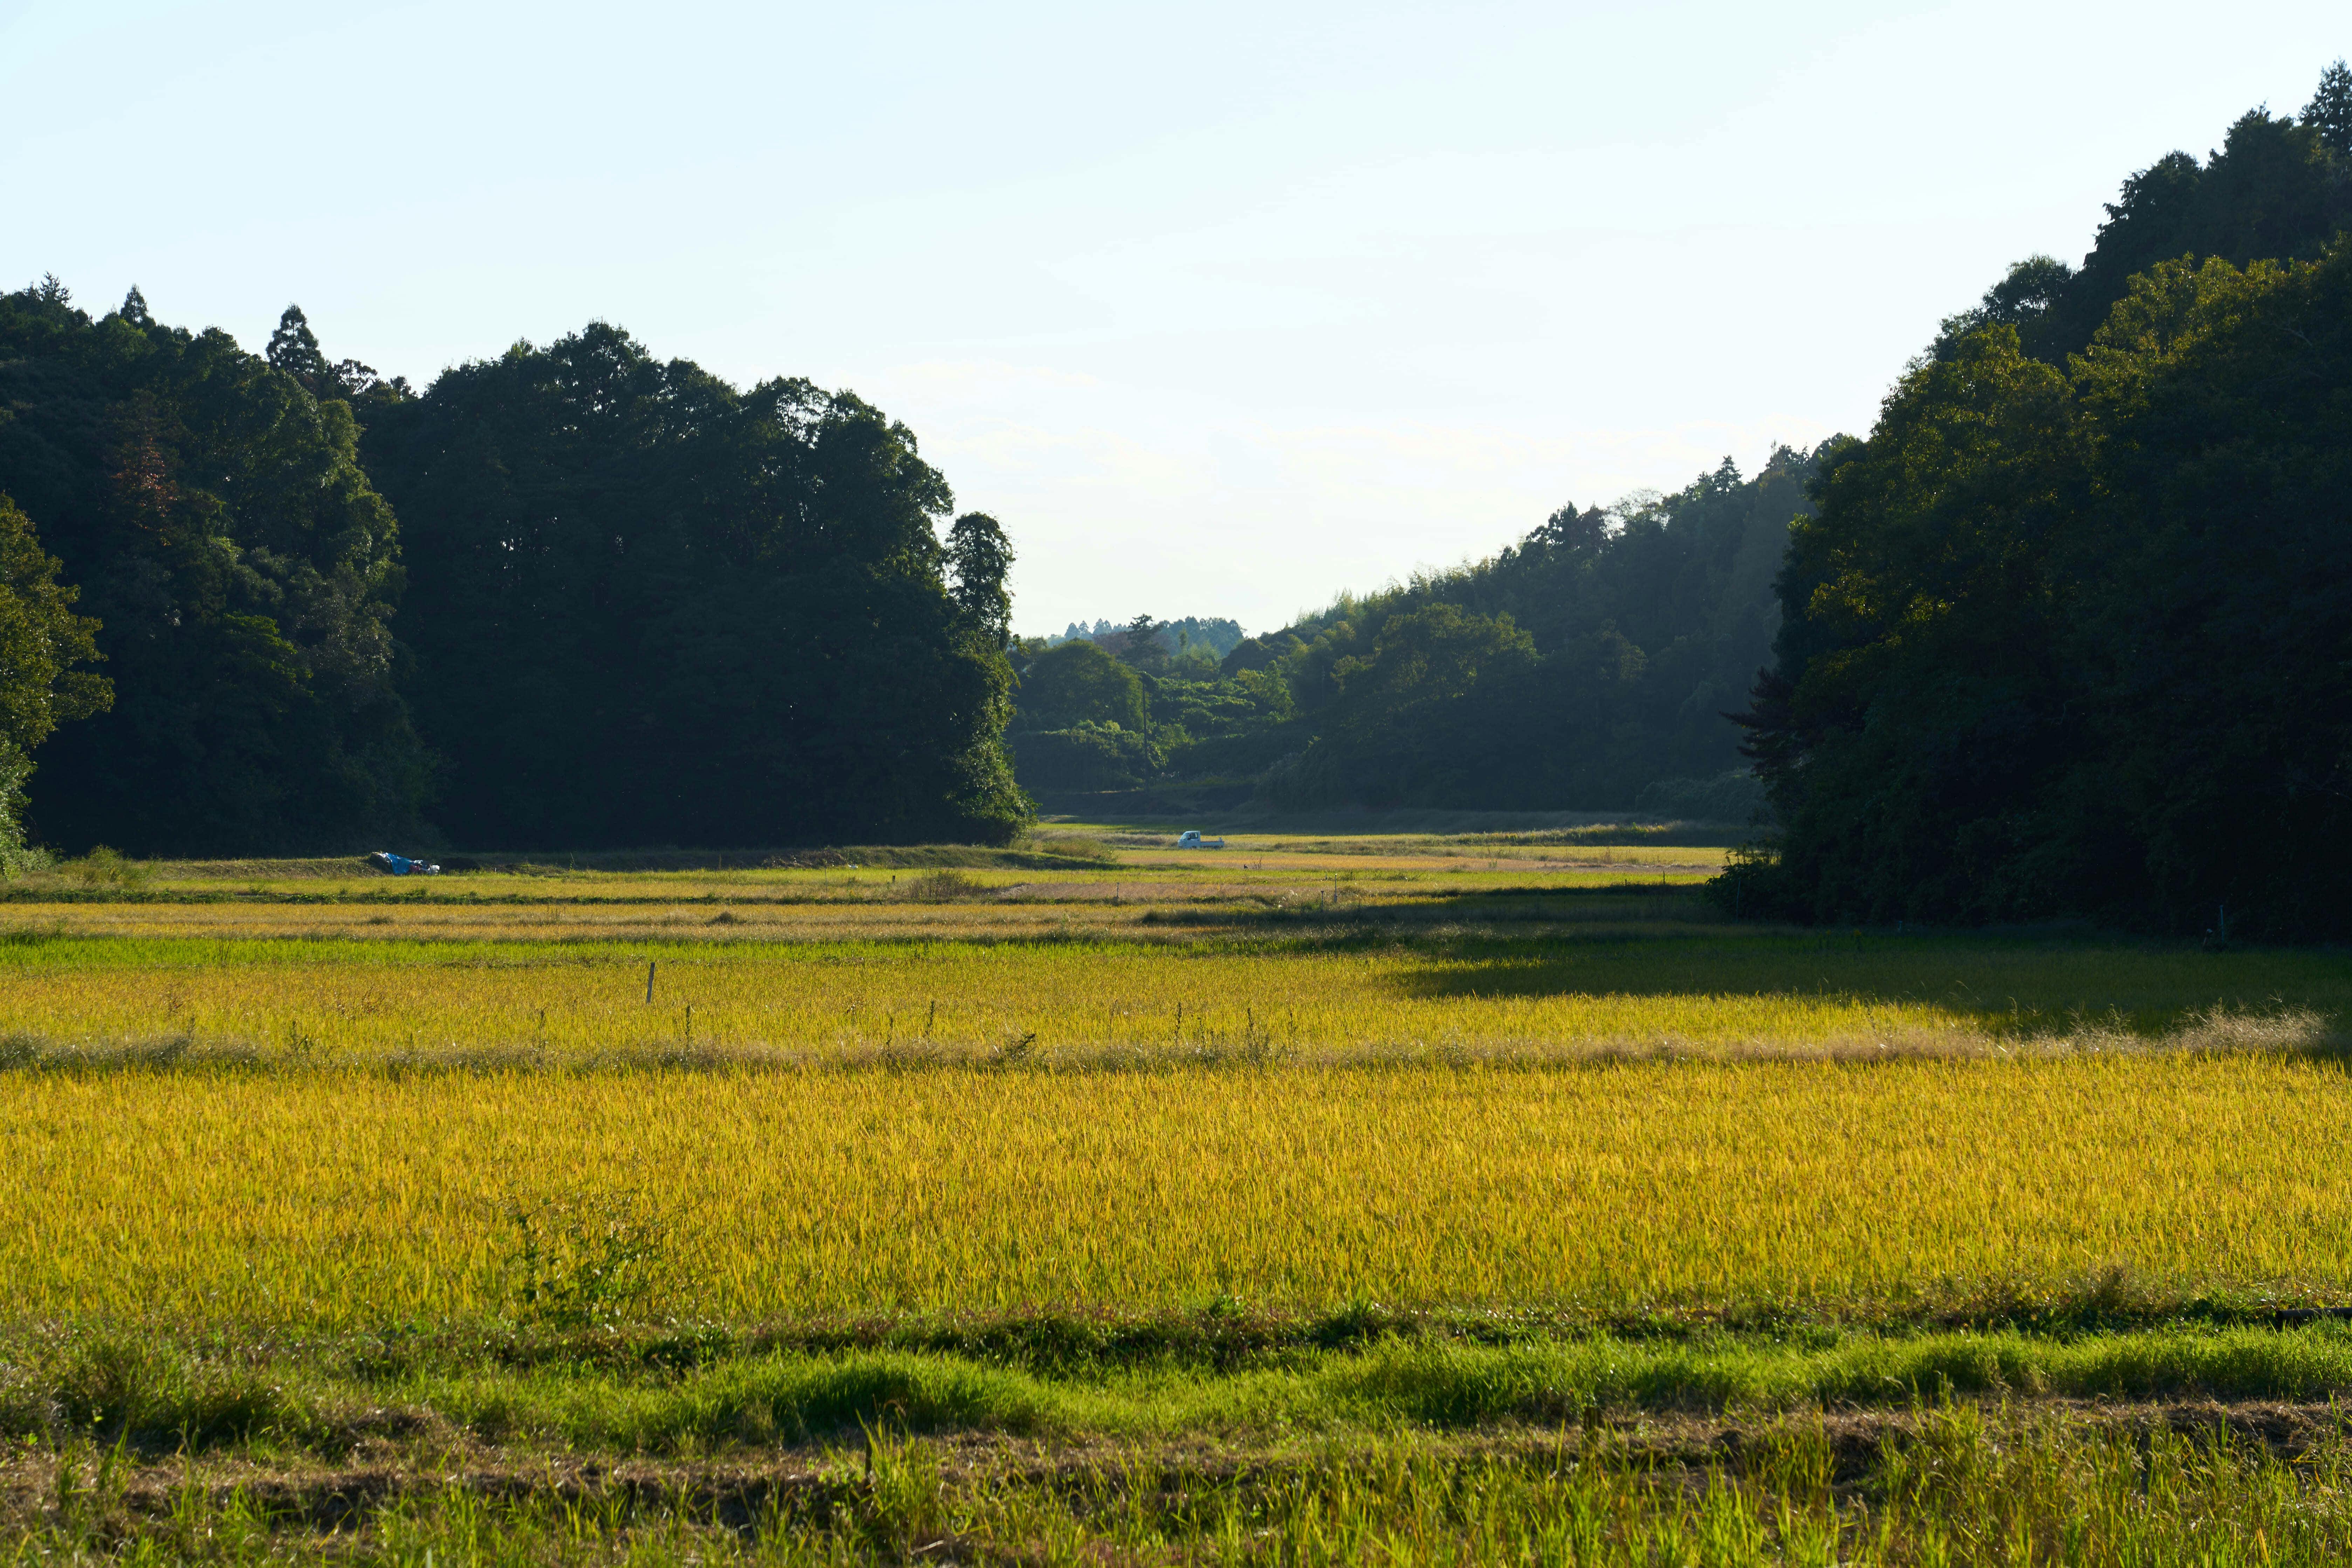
{"x": 1218, "y": 307}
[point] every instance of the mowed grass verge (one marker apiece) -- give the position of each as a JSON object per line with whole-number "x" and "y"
{"x": 694, "y": 1473}
{"x": 705, "y": 1391}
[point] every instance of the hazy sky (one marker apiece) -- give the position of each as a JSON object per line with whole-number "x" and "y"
{"x": 1219, "y": 309}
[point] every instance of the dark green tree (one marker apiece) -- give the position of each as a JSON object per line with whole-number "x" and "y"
{"x": 651, "y": 608}
{"x": 294, "y": 348}
{"x": 2069, "y": 640}
{"x": 2025, "y": 300}
{"x": 2216, "y": 601}
{"x": 2074, "y": 643}
{"x": 979, "y": 556}
{"x": 212, "y": 513}
{"x": 2329, "y": 112}
{"x": 44, "y": 647}
{"x": 1917, "y": 692}
{"x": 1077, "y": 682}
{"x": 2277, "y": 188}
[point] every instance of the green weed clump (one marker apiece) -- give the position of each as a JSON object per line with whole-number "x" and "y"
{"x": 941, "y": 886}
{"x": 105, "y": 867}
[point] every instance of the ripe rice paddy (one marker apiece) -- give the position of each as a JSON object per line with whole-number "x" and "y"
{"x": 326, "y": 1197}
{"x": 1552, "y": 1094}
{"x": 1316, "y": 1088}
{"x": 1320, "y": 999}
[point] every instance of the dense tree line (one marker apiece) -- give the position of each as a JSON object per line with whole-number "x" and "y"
{"x": 1582, "y": 666}
{"x": 212, "y": 516}
{"x": 646, "y": 605}
{"x": 2072, "y": 630}
{"x": 570, "y": 597}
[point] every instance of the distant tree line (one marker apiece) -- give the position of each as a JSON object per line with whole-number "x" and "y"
{"x": 1590, "y": 664}
{"x": 572, "y": 596}
{"x": 1195, "y": 644}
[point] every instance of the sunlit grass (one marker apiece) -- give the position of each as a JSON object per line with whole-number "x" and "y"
{"x": 1943, "y": 1486}
{"x": 1167, "y": 875}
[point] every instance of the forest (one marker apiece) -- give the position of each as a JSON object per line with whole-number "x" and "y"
{"x": 1588, "y": 666}
{"x": 572, "y": 597}
{"x": 2064, "y": 632}
{"x": 2067, "y": 634}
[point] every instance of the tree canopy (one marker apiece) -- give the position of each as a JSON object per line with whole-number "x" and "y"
{"x": 633, "y": 605}
{"x": 1584, "y": 665}
{"x": 650, "y": 607}
{"x": 2066, "y": 634}
{"x": 2073, "y": 642}
{"x": 2277, "y": 189}
{"x": 243, "y": 572}
{"x": 1077, "y": 682}
{"x": 45, "y": 648}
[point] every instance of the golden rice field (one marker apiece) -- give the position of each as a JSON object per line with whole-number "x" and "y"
{"x": 1317, "y": 998}
{"x": 296, "y": 1094}
{"x": 343, "y": 1198}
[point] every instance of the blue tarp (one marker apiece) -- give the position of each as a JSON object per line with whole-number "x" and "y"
{"x": 400, "y": 865}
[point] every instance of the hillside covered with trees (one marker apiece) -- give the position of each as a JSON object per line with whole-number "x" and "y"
{"x": 571, "y": 597}
{"x": 2071, "y": 632}
{"x": 2067, "y": 633}
{"x": 1588, "y": 666}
